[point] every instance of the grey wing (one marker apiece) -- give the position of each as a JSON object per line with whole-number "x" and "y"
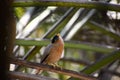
{"x": 46, "y": 53}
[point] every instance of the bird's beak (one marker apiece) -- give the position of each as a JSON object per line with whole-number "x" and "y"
{"x": 58, "y": 34}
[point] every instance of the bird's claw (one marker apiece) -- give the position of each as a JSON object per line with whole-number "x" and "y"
{"x": 55, "y": 65}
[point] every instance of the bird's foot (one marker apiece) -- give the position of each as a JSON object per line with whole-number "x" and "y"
{"x": 55, "y": 65}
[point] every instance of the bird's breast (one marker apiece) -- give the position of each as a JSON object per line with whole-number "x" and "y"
{"x": 55, "y": 54}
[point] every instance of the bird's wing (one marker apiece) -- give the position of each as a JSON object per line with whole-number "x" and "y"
{"x": 46, "y": 53}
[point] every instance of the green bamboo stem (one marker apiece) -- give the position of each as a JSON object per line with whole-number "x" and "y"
{"x": 68, "y": 44}
{"x": 102, "y": 62}
{"x": 68, "y": 3}
{"x": 102, "y": 29}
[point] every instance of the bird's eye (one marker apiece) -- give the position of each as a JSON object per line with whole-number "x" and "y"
{"x": 55, "y": 38}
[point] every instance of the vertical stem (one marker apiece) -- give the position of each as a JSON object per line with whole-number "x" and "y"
{"x": 7, "y": 36}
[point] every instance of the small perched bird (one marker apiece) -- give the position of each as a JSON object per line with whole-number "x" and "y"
{"x": 53, "y": 51}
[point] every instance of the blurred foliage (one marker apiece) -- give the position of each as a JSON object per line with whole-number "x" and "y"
{"x": 19, "y": 12}
{"x": 99, "y": 30}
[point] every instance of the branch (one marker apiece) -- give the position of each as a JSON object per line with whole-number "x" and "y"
{"x": 25, "y": 76}
{"x": 67, "y": 3}
{"x": 50, "y": 68}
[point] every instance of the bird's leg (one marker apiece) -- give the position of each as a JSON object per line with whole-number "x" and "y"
{"x": 56, "y": 65}
{"x": 51, "y": 64}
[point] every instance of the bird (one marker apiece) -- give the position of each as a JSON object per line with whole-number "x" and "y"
{"x": 53, "y": 52}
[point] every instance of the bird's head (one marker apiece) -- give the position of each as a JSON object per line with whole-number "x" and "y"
{"x": 55, "y": 38}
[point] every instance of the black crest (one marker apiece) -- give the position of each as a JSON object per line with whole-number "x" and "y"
{"x": 55, "y": 38}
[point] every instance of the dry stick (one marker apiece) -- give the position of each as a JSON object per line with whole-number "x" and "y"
{"x": 50, "y": 68}
{"x": 25, "y": 76}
